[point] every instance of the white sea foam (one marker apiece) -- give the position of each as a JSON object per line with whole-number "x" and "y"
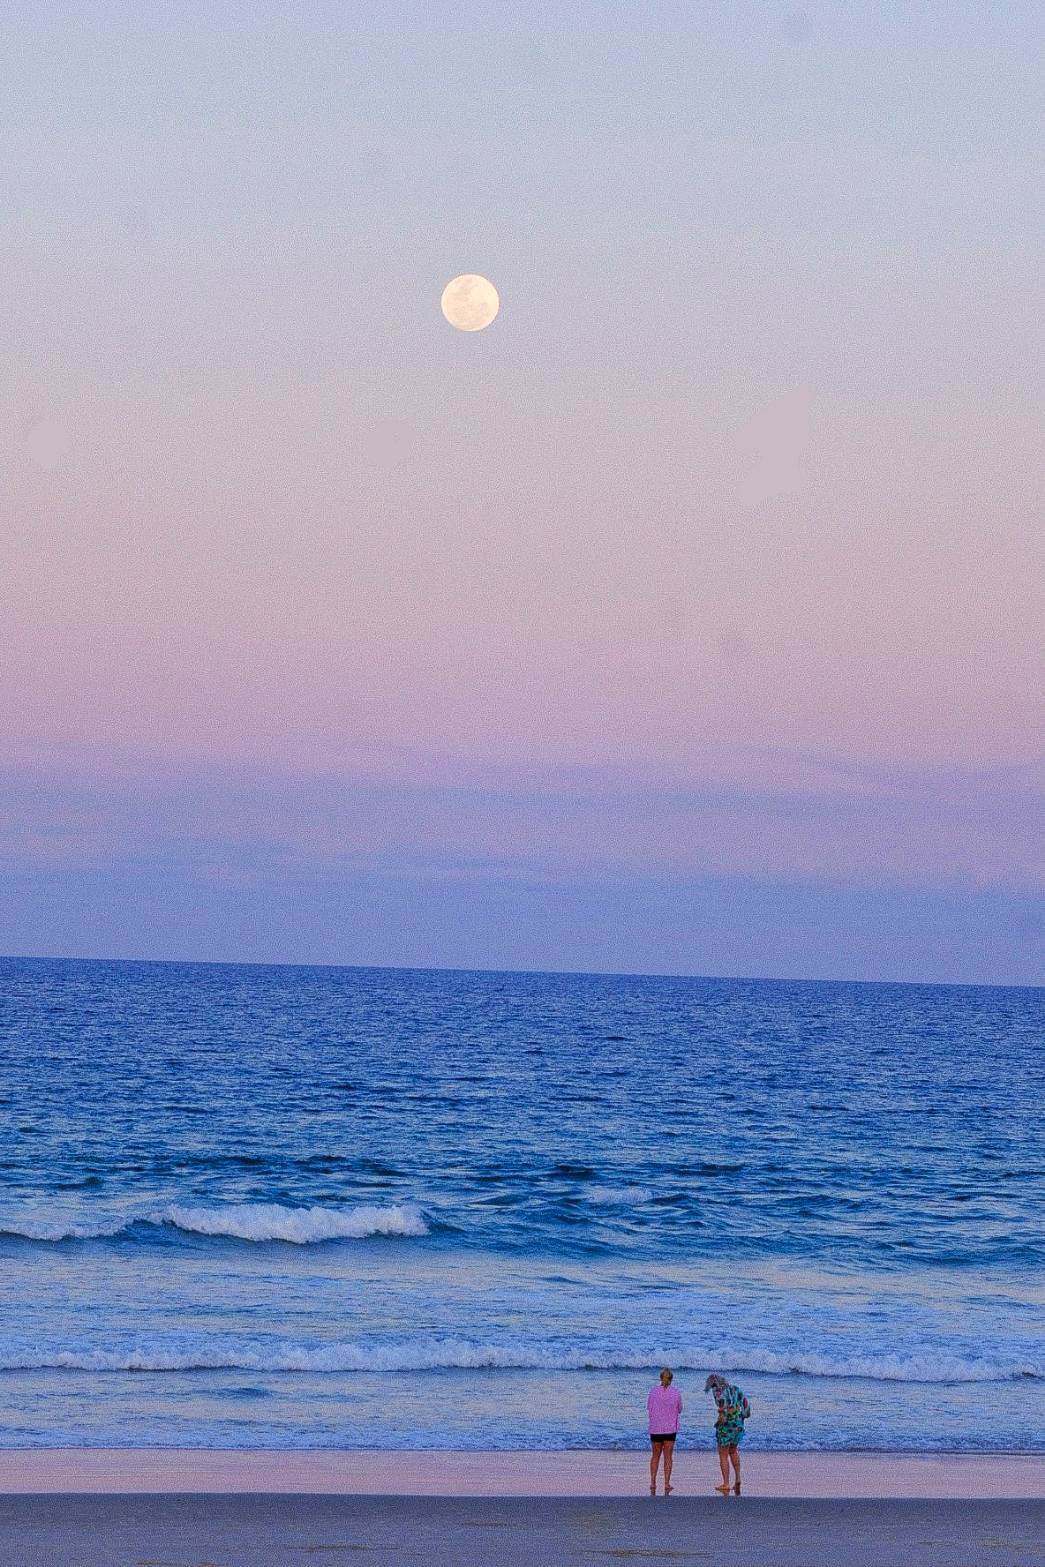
{"x": 229, "y": 1354}
{"x": 236, "y": 1221}
{"x": 54, "y": 1230}
{"x": 271, "y": 1221}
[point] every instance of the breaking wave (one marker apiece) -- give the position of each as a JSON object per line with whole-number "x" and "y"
{"x": 228, "y": 1354}
{"x": 267, "y": 1221}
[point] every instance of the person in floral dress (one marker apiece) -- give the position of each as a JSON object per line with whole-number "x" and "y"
{"x": 733, "y": 1410}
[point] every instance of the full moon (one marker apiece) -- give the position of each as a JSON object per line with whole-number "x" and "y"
{"x": 470, "y": 302}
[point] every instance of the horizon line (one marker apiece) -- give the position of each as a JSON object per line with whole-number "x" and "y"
{"x": 536, "y": 973}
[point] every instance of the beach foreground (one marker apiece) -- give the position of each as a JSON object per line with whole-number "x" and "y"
{"x": 274, "y": 1531}
{"x": 875, "y": 1476}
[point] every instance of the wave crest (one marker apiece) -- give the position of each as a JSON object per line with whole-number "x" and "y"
{"x": 271, "y": 1221}
{"x": 617, "y": 1196}
{"x": 259, "y": 1222}
{"x": 425, "y": 1354}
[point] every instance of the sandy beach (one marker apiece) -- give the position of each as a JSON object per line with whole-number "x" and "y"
{"x": 276, "y": 1530}
{"x": 185, "y": 1508}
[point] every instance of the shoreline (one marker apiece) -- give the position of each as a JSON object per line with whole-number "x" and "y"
{"x": 568, "y": 1473}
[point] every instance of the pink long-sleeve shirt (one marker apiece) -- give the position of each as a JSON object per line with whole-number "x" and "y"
{"x": 664, "y": 1406}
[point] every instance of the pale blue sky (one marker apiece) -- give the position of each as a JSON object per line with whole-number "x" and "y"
{"x": 705, "y": 589}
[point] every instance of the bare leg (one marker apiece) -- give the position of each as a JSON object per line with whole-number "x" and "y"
{"x": 669, "y": 1454}
{"x": 658, "y": 1448}
{"x": 723, "y": 1463}
{"x": 734, "y": 1453}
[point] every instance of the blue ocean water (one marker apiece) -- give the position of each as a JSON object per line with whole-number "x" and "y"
{"x": 276, "y": 1206}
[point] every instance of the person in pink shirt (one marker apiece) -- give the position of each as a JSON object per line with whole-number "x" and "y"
{"x": 664, "y": 1405}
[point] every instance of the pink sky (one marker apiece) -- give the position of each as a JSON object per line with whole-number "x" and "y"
{"x": 741, "y": 493}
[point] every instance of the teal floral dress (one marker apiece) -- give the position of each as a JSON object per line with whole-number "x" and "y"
{"x": 733, "y": 1410}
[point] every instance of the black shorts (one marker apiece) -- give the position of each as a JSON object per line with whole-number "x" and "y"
{"x": 663, "y": 1436}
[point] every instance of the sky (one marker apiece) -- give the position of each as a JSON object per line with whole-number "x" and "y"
{"x": 689, "y": 618}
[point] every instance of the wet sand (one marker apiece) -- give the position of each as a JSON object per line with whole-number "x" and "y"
{"x": 571, "y": 1473}
{"x": 440, "y": 1531}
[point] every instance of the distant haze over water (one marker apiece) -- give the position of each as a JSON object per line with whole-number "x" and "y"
{"x": 290, "y": 1206}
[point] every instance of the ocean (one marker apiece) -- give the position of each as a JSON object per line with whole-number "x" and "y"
{"x": 248, "y": 1206}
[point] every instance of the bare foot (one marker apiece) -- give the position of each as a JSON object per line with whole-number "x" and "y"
{"x": 653, "y": 1490}
{"x": 723, "y": 1490}
{"x": 668, "y": 1490}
